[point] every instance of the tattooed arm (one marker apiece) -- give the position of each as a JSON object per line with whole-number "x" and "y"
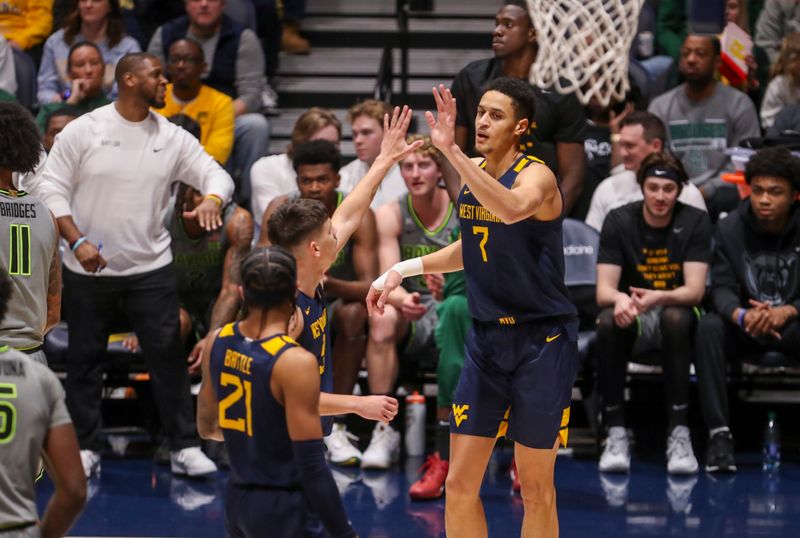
{"x": 54, "y": 287}
{"x": 239, "y": 231}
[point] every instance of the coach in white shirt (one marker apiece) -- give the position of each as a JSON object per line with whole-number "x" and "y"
{"x": 641, "y": 133}
{"x": 107, "y": 180}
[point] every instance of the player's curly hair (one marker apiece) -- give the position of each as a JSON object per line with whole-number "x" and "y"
{"x": 317, "y": 152}
{"x": 774, "y": 162}
{"x": 269, "y": 277}
{"x": 295, "y": 220}
{"x": 20, "y": 145}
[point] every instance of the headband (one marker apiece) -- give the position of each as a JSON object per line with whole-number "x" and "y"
{"x": 663, "y": 172}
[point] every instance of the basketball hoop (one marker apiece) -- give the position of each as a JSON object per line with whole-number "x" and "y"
{"x": 584, "y": 46}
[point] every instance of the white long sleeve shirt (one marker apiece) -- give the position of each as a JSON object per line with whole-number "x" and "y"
{"x": 113, "y": 176}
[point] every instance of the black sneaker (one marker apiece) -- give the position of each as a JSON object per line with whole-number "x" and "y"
{"x": 719, "y": 456}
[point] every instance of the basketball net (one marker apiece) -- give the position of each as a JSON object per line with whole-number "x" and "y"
{"x": 584, "y": 46}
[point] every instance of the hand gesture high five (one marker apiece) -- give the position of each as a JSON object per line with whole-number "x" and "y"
{"x": 393, "y": 145}
{"x": 443, "y": 126}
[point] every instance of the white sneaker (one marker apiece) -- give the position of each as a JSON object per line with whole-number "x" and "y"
{"x": 680, "y": 457}
{"x": 341, "y": 450}
{"x": 91, "y": 462}
{"x": 383, "y": 449}
{"x": 191, "y": 462}
{"x": 616, "y": 457}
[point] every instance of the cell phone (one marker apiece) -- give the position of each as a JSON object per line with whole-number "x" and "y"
{"x": 706, "y": 17}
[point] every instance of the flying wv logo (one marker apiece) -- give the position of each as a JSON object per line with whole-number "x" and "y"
{"x": 460, "y": 413}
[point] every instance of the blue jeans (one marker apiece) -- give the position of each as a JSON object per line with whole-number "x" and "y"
{"x": 250, "y": 143}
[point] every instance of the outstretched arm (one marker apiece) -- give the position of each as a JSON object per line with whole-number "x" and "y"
{"x": 535, "y": 189}
{"x": 393, "y": 148}
{"x": 446, "y": 260}
{"x": 207, "y": 408}
{"x": 295, "y": 383}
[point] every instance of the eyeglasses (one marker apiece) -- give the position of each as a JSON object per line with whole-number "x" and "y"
{"x": 191, "y": 60}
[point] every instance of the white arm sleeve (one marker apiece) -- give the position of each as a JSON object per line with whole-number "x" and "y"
{"x": 406, "y": 268}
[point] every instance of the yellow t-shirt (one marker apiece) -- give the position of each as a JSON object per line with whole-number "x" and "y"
{"x": 213, "y": 112}
{"x": 26, "y": 22}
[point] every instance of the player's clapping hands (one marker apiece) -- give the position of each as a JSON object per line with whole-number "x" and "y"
{"x": 383, "y": 408}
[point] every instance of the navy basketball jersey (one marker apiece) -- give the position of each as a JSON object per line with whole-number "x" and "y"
{"x": 252, "y": 421}
{"x": 514, "y": 272}
{"x": 315, "y": 338}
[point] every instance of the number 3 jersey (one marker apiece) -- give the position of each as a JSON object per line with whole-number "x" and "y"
{"x": 252, "y": 421}
{"x": 28, "y": 242}
{"x": 514, "y": 272}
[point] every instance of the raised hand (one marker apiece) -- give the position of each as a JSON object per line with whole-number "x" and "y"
{"x": 443, "y": 126}
{"x": 393, "y": 145}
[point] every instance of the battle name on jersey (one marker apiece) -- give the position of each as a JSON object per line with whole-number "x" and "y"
{"x": 238, "y": 361}
{"x": 17, "y": 210}
{"x": 318, "y": 326}
{"x": 476, "y": 212}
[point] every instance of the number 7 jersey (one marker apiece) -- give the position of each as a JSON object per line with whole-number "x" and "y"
{"x": 514, "y": 272}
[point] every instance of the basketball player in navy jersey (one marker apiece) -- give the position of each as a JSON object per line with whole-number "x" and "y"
{"x": 521, "y": 354}
{"x": 260, "y": 394}
{"x": 303, "y": 227}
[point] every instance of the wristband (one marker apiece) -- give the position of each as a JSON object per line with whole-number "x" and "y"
{"x": 78, "y": 242}
{"x": 215, "y": 198}
{"x": 405, "y": 268}
{"x": 740, "y": 318}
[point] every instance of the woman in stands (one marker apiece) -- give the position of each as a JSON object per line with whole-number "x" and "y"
{"x": 97, "y": 21}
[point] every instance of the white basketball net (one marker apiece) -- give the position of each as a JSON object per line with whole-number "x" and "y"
{"x": 584, "y": 46}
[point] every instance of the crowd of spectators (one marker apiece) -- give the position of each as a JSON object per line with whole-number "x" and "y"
{"x": 645, "y": 173}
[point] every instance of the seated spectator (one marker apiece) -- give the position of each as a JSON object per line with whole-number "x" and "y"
{"x": 754, "y": 290}
{"x": 777, "y": 19}
{"x": 784, "y": 88}
{"x": 641, "y": 134}
{"x": 235, "y": 67}
{"x": 85, "y": 71}
{"x": 414, "y": 224}
{"x": 274, "y": 175}
{"x": 454, "y": 321}
{"x": 8, "y": 74}
{"x": 188, "y": 96}
{"x": 703, "y": 118}
{"x": 26, "y": 23}
{"x": 786, "y": 122}
{"x": 651, "y": 276}
{"x": 207, "y": 267}
{"x": 55, "y": 122}
{"x": 348, "y": 280}
{"x": 602, "y": 122}
{"x": 556, "y": 132}
{"x": 758, "y": 63}
{"x": 98, "y": 22}
{"x": 366, "y": 120}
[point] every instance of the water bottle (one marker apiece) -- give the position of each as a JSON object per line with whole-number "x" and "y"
{"x": 772, "y": 445}
{"x": 415, "y": 424}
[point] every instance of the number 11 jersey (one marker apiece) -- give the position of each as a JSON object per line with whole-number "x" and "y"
{"x": 514, "y": 272}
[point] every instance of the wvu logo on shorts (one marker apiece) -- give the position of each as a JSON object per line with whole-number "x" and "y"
{"x": 460, "y": 413}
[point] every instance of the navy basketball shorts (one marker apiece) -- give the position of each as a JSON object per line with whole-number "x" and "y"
{"x": 517, "y": 382}
{"x": 280, "y": 513}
